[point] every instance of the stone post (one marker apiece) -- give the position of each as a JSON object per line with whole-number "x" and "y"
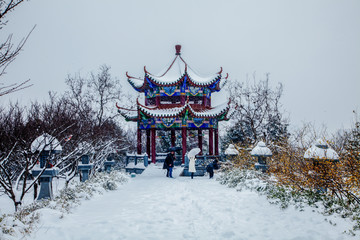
{"x": 109, "y": 163}
{"x": 84, "y": 167}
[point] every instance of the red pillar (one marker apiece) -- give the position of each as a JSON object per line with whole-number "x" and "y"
{"x": 216, "y": 142}
{"x": 173, "y": 138}
{"x": 157, "y": 99}
{"x": 138, "y": 141}
{"x": 211, "y": 141}
{"x": 200, "y": 140}
{"x": 153, "y": 145}
{"x": 148, "y": 142}
{"x": 183, "y": 135}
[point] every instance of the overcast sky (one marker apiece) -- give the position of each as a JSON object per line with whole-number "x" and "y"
{"x": 312, "y": 47}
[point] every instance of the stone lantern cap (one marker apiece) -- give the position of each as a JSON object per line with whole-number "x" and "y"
{"x": 260, "y": 150}
{"x": 86, "y": 148}
{"x": 45, "y": 142}
{"x": 231, "y": 150}
{"x": 322, "y": 151}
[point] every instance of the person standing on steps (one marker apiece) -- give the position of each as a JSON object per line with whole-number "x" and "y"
{"x": 169, "y": 162}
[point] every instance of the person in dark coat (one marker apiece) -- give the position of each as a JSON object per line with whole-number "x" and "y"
{"x": 211, "y": 166}
{"x": 169, "y": 163}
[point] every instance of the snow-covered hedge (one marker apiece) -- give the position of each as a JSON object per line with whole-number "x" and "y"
{"x": 21, "y": 223}
{"x": 252, "y": 180}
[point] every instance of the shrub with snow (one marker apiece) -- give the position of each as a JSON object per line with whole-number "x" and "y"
{"x": 283, "y": 196}
{"x": 19, "y": 224}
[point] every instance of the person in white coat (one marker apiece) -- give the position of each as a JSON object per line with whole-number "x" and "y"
{"x": 192, "y": 168}
{"x": 191, "y": 156}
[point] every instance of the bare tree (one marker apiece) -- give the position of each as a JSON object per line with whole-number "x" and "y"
{"x": 8, "y": 50}
{"x": 258, "y": 112}
{"x": 93, "y": 99}
{"x": 105, "y": 90}
{"x": 99, "y": 93}
{"x": 16, "y": 167}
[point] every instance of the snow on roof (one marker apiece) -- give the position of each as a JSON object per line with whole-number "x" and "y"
{"x": 137, "y": 83}
{"x": 215, "y": 111}
{"x": 261, "y": 150}
{"x": 199, "y": 80}
{"x": 128, "y": 114}
{"x": 45, "y": 142}
{"x": 177, "y": 70}
{"x": 321, "y": 150}
{"x": 174, "y": 73}
{"x": 231, "y": 150}
{"x": 158, "y": 112}
{"x": 175, "y": 111}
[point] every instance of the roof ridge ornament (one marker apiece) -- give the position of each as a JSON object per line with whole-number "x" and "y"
{"x": 178, "y": 49}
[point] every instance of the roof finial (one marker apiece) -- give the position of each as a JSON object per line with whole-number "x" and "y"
{"x": 178, "y": 49}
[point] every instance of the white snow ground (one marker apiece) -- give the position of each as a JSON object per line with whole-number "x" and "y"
{"x": 152, "y": 206}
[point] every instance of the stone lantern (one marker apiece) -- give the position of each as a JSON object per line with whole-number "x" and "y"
{"x": 261, "y": 152}
{"x": 321, "y": 151}
{"x": 231, "y": 152}
{"x": 110, "y": 162}
{"x": 46, "y": 145}
{"x": 85, "y": 166}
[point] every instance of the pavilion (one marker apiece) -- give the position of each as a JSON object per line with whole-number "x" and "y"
{"x": 177, "y": 100}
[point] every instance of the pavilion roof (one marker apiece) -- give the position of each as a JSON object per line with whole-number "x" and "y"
{"x": 175, "y": 110}
{"x": 193, "y": 109}
{"x": 174, "y": 74}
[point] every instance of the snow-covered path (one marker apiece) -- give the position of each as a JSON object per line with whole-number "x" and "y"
{"x": 152, "y": 206}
